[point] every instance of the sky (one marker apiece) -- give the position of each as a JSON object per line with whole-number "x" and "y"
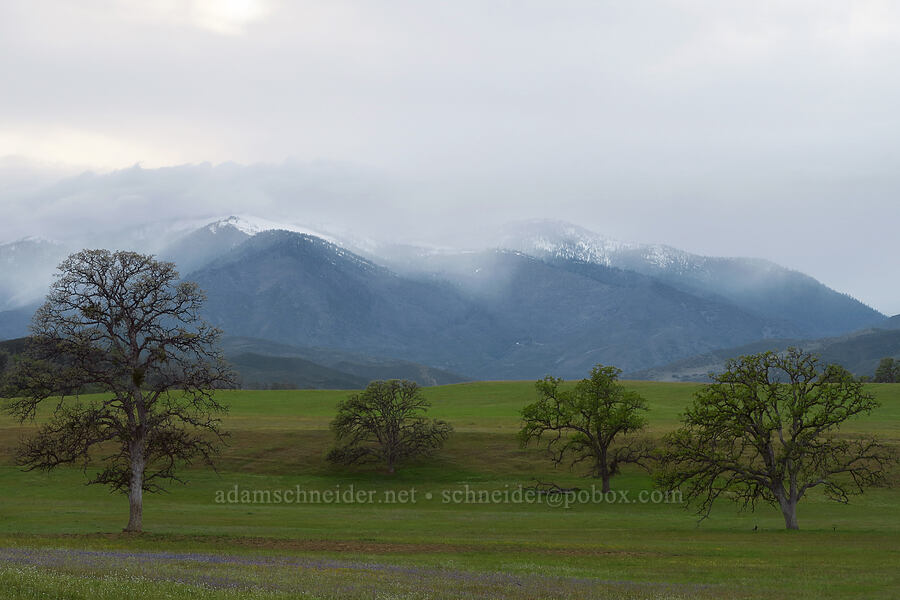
{"x": 765, "y": 129}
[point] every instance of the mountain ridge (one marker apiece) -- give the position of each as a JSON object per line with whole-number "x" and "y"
{"x": 754, "y": 284}
{"x": 560, "y": 299}
{"x": 529, "y": 317}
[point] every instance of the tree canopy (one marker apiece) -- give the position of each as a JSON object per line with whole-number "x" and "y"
{"x": 594, "y": 421}
{"x": 386, "y": 423}
{"x": 766, "y": 430}
{"x": 121, "y": 323}
{"x": 888, "y": 371}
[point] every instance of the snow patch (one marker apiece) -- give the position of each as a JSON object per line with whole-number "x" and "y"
{"x": 566, "y": 241}
{"x": 252, "y": 225}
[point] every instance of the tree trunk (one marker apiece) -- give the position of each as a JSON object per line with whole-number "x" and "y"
{"x": 136, "y": 489}
{"x": 603, "y": 467}
{"x": 789, "y": 510}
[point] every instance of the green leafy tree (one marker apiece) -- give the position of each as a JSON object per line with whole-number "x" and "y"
{"x": 595, "y": 422}
{"x": 765, "y": 430}
{"x": 386, "y": 424}
{"x": 122, "y": 323}
{"x": 888, "y": 371}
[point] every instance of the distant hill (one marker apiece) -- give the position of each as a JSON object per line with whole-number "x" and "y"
{"x": 262, "y": 363}
{"x": 859, "y": 352}
{"x": 891, "y": 323}
{"x": 279, "y": 366}
{"x": 14, "y": 346}
{"x": 257, "y": 371}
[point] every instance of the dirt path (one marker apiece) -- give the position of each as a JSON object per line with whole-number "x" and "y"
{"x": 356, "y": 578}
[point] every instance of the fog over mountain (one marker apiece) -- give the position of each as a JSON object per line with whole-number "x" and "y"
{"x": 149, "y": 209}
{"x": 547, "y": 296}
{"x": 723, "y": 129}
{"x": 756, "y": 285}
{"x": 557, "y": 183}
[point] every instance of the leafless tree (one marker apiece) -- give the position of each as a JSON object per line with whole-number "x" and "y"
{"x": 121, "y": 323}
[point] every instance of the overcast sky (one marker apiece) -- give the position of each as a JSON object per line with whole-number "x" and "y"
{"x": 758, "y": 128}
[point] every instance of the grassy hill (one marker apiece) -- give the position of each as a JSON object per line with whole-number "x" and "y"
{"x": 424, "y": 546}
{"x": 265, "y": 364}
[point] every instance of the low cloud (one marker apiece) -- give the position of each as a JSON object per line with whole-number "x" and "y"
{"x": 759, "y": 129}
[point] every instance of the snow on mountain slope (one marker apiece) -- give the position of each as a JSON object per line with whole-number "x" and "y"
{"x": 561, "y": 240}
{"x": 27, "y": 265}
{"x": 795, "y": 302}
{"x": 757, "y": 285}
{"x": 252, "y": 225}
{"x": 205, "y": 240}
{"x": 558, "y": 239}
{"x": 492, "y": 314}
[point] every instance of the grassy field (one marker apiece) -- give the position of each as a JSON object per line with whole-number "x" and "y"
{"x": 411, "y": 538}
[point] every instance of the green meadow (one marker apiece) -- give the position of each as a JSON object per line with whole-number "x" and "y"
{"x": 451, "y": 526}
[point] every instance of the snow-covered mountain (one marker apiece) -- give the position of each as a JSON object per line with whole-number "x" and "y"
{"x": 247, "y": 224}
{"x": 27, "y": 265}
{"x": 548, "y": 295}
{"x": 501, "y": 314}
{"x": 197, "y": 243}
{"x": 558, "y": 239}
{"x": 756, "y": 285}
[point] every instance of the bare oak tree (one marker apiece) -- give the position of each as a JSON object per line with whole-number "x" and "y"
{"x": 386, "y": 423}
{"x": 593, "y": 422}
{"x": 121, "y": 323}
{"x": 767, "y": 429}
